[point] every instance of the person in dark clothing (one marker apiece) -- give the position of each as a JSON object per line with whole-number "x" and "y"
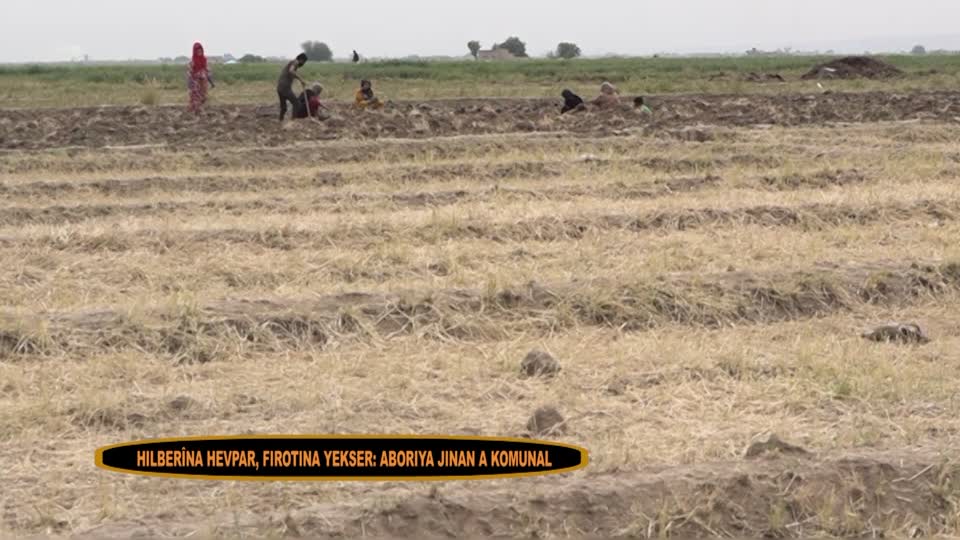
{"x": 571, "y": 102}
{"x": 356, "y": 57}
{"x": 285, "y": 85}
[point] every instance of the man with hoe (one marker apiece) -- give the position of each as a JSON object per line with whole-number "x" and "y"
{"x": 285, "y": 86}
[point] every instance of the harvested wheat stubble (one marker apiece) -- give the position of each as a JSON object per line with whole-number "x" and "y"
{"x": 853, "y": 494}
{"x": 288, "y": 204}
{"x": 141, "y": 186}
{"x": 821, "y": 179}
{"x": 812, "y": 216}
{"x": 204, "y": 293}
{"x": 273, "y": 325}
{"x": 397, "y": 153}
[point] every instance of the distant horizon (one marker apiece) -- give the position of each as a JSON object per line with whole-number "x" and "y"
{"x": 791, "y": 51}
{"x": 45, "y": 31}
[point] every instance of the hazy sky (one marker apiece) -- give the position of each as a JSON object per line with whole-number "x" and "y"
{"x": 46, "y": 30}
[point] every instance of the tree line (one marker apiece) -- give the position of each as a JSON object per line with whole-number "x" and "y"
{"x": 318, "y": 51}
{"x": 518, "y": 48}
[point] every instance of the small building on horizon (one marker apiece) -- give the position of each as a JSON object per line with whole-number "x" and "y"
{"x": 496, "y": 53}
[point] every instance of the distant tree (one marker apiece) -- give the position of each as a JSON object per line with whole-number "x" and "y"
{"x": 474, "y": 47}
{"x": 515, "y": 46}
{"x": 181, "y": 60}
{"x": 317, "y": 51}
{"x": 251, "y": 59}
{"x": 918, "y": 49}
{"x": 568, "y": 50}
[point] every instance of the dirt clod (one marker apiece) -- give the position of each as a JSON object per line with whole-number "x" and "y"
{"x": 545, "y": 421}
{"x": 853, "y": 67}
{"x": 181, "y": 403}
{"x": 538, "y": 363}
{"x": 897, "y": 333}
{"x": 525, "y": 125}
{"x": 617, "y": 387}
{"x": 771, "y": 445}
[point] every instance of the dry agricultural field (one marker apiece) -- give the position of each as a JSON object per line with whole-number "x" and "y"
{"x": 702, "y": 276}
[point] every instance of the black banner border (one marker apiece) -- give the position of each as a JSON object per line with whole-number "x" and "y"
{"x": 584, "y": 459}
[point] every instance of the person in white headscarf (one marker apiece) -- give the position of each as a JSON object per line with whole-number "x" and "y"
{"x": 609, "y": 96}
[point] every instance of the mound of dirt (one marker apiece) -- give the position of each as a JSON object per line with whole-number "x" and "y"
{"x": 539, "y": 364}
{"x": 773, "y": 444}
{"x": 853, "y": 67}
{"x": 546, "y": 420}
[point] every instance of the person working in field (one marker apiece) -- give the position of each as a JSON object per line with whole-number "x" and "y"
{"x": 365, "y": 97}
{"x": 198, "y": 77}
{"x": 310, "y": 102}
{"x": 285, "y": 85}
{"x": 571, "y": 102}
{"x": 641, "y": 104}
{"x": 609, "y": 97}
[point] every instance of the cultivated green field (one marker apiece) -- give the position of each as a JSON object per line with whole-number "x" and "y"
{"x": 75, "y": 85}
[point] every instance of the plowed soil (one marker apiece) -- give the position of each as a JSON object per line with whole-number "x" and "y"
{"x": 247, "y": 126}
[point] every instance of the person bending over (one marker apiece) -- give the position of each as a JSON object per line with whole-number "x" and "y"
{"x": 285, "y": 85}
{"x": 310, "y": 102}
{"x": 609, "y": 97}
{"x": 571, "y": 102}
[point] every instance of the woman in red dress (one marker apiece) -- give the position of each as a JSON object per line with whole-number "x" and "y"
{"x": 198, "y": 76}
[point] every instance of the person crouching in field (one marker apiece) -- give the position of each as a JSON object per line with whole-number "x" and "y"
{"x": 365, "y": 97}
{"x": 285, "y": 85}
{"x": 608, "y": 98}
{"x": 310, "y": 102}
{"x": 198, "y": 76}
{"x": 640, "y": 104}
{"x": 571, "y": 102}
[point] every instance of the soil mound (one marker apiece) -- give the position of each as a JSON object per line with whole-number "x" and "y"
{"x": 539, "y": 364}
{"x": 773, "y": 444}
{"x": 546, "y": 420}
{"x": 853, "y": 67}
